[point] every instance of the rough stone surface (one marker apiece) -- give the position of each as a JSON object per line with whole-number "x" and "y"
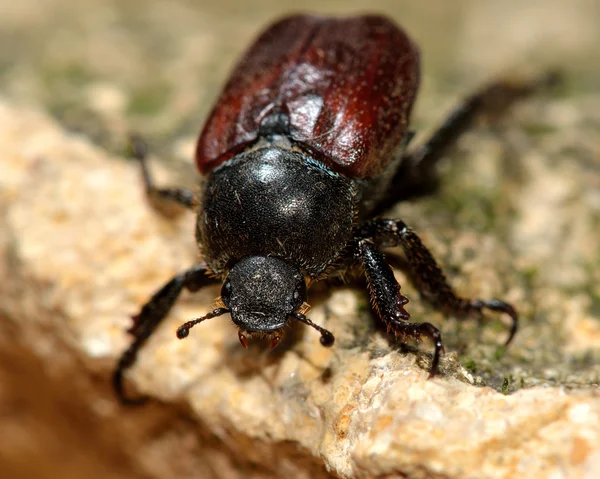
{"x": 81, "y": 250}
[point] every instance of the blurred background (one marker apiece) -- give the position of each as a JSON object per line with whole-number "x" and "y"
{"x": 103, "y": 68}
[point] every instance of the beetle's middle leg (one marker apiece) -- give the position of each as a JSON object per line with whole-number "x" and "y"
{"x": 417, "y": 171}
{"x": 161, "y": 198}
{"x": 428, "y": 276}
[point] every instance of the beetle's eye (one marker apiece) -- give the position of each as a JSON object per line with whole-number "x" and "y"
{"x": 226, "y": 292}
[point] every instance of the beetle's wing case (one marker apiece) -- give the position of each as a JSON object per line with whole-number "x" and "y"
{"x": 347, "y": 85}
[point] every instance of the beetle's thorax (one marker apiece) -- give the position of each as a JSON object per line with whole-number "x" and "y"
{"x": 274, "y": 201}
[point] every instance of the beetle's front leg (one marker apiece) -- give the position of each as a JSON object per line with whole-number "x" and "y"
{"x": 428, "y": 276}
{"x": 151, "y": 315}
{"x": 388, "y": 303}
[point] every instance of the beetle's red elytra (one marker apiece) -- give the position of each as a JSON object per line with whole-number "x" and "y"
{"x": 346, "y": 87}
{"x": 304, "y": 151}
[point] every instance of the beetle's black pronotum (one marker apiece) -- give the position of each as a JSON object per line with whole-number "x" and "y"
{"x": 303, "y": 152}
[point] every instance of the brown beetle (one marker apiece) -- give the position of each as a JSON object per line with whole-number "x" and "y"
{"x": 304, "y": 149}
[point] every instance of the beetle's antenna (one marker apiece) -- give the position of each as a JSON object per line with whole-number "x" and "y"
{"x": 327, "y": 338}
{"x": 184, "y": 329}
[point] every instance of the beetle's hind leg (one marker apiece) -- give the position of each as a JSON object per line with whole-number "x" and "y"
{"x": 151, "y": 315}
{"x": 163, "y": 199}
{"x": 416, "y": 174}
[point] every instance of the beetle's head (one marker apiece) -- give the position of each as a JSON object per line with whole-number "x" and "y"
{"x": 262, "y": 294}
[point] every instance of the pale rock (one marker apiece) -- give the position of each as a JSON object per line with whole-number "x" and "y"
{"x": 82, "y": 250}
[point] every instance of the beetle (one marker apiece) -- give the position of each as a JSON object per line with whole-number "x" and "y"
{"x": 302, "y": 153}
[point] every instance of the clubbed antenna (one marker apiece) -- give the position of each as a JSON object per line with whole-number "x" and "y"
{"x": 184, "y": 329}
{"x": 327, "y": 338}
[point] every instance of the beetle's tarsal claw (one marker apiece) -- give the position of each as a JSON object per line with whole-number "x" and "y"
{"x": 244, "y": 339}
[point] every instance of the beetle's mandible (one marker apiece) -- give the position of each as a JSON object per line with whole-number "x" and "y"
{"x": 304, "y": 150}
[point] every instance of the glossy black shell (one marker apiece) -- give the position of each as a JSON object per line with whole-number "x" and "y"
{"x": 277, "y": 202}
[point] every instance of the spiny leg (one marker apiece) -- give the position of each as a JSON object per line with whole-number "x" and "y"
{"x": 161, "y": 198}
{"x": 388, "y": 302}
{"x": 492, "y": 101}
{"x": 417, "y": 175}
{"x": 428, "y": 276}
{"x": 151, "y": 315}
